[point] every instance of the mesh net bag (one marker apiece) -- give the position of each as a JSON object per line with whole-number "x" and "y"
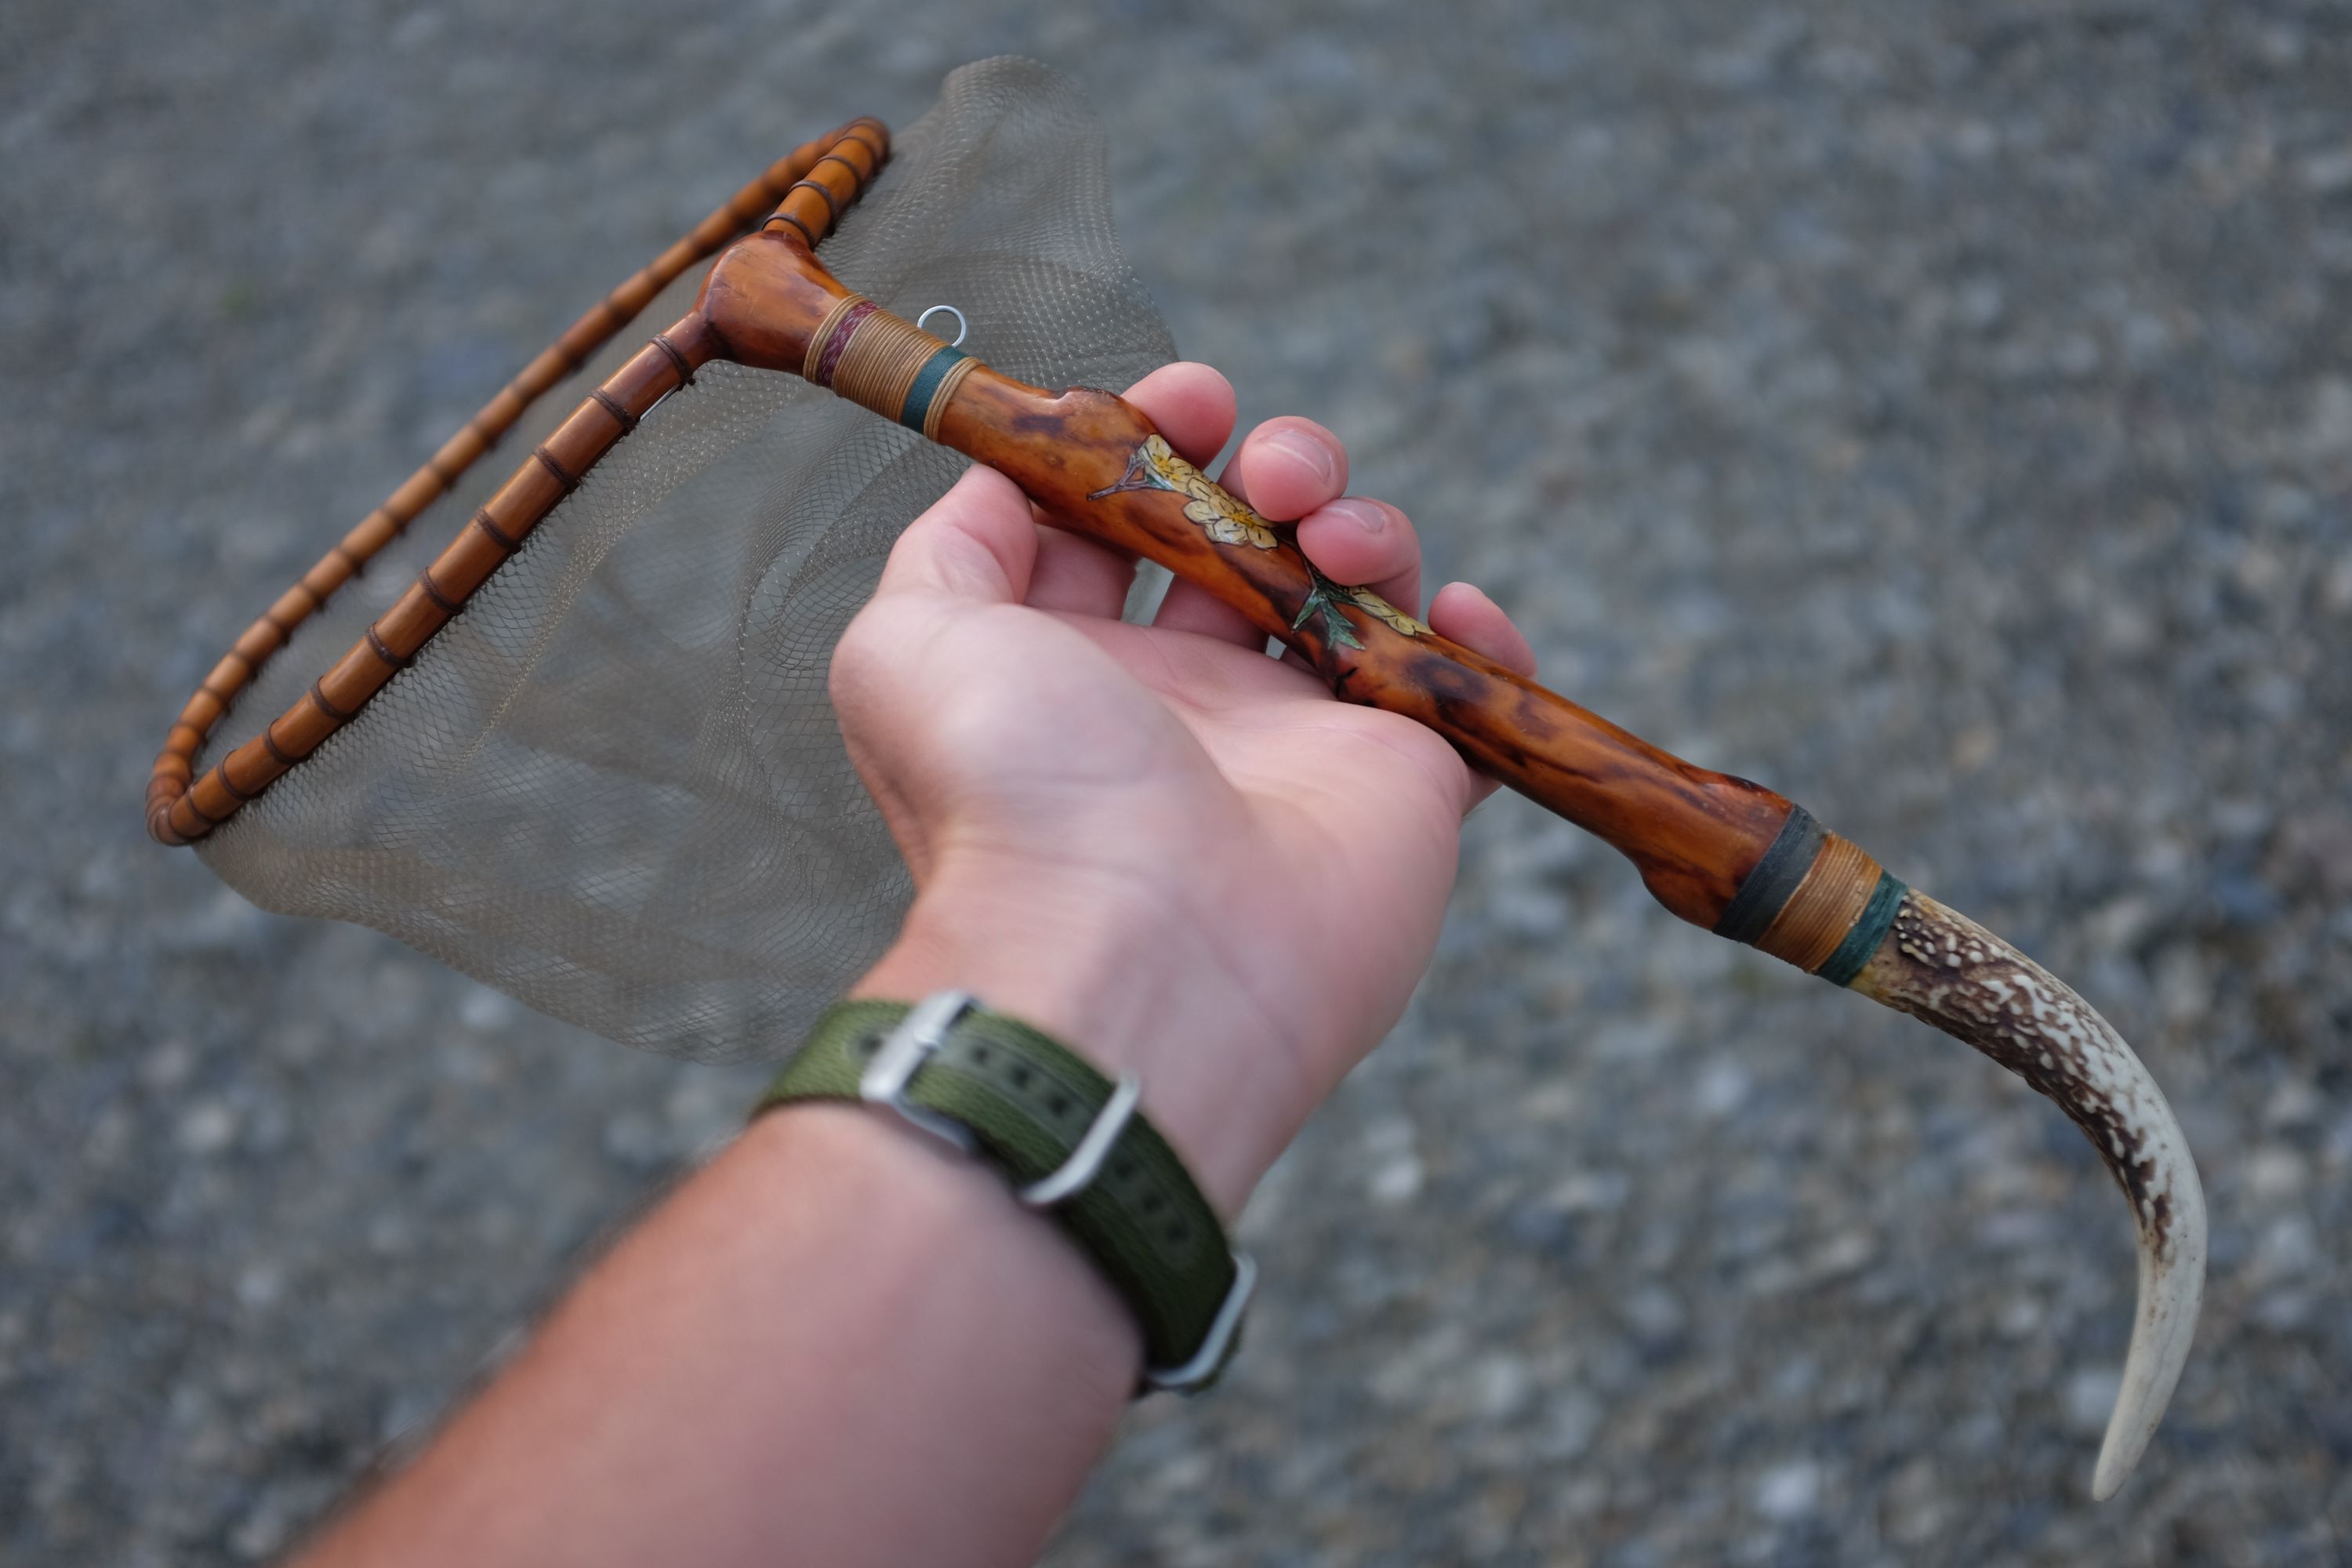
{"x": 614, "y": 788}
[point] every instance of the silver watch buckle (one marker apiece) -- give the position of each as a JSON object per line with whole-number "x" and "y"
{"x": 1209, "y": 1359}
{"x": 920, "y": 1033}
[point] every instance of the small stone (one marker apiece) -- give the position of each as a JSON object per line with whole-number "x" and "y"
{"x": 168, "y": 1066}
{"x": 1973, "y": 747}
{"x": 1916, "y": 1510}
{"x": 263, "y": 1285}
{"x": 1186, "y": 1474}
{"x": 1655, "y": 1315}
{"x": 1500, "y": 1385}
{"x": 1974, "y": 141}
{"x": 1721, "y": 1089}
{"x": 704, "y": 1111}
{"x": 418, "y": 29}
{"x": 1397, "y": 1175}
{"x": 2327, "y": 422}
{"x": 2284, "y": 1311}
{"x": 634, "y": 1140}
{"x": 1979, "y": 304}
{"x": 2326, "y": 174}
{"x": 1554, "y": 1101}
{"x": 2090, "y": 1398}
{"x": 206, "y": 1128}
{"x": 2075, "y": 356}
{"x": 2337, "y": 1149}
{"x": 2276, "y": 1174}
{"x": 224, "y": 924}
{"x": 1590, "y": 1192}
{"x": 1398, "y": 1181}
{"x": 485, "y": 1011}
{"x": 1527, "y": 912}
{"x": 2020, "y": 1317}
{"x": 109, "y": 1137}
{"x": 1568, "y": 1426}
{"x": 273, "y": 1520}
{"x": 2184, "y": 988}
{"x": 2288, "y": 1249}
{"x": 1842, "y": 1254}
{"x": 1788, "y": 1492}
{"x": 2335, "y": 591}
{"x": 2280, "y": 46}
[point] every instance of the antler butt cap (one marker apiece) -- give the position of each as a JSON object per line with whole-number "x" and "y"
{"x": 1942, "y": 967}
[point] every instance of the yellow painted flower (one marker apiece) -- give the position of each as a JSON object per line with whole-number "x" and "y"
{"x": 1381, "y": 610}
{"x": 1156, "y": 466}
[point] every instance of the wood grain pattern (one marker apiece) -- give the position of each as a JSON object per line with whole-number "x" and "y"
{"x": 1692, "y": 834}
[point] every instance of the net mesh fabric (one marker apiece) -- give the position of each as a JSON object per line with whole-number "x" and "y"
{"x": 614, "y": 787}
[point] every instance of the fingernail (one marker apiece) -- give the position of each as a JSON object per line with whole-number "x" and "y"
{"x": 1368, "y": 515}
{"x": 1308, "y": 450}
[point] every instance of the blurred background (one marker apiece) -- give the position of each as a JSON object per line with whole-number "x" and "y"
{"x": 1941, "y": 413}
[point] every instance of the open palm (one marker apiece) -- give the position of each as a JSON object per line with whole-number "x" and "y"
{"x": 1180, "y": 855}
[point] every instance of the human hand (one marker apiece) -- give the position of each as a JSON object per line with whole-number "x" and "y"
{"x": 1180, "y": 856}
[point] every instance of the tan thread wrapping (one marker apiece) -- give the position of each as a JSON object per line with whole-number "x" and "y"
{"x": 948, "y": 385}
{"x": 878, "y": 368}
{"x": 1824, "y": 907}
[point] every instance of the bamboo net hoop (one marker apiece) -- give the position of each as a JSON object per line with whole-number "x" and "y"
{"x": 808, "y": 189}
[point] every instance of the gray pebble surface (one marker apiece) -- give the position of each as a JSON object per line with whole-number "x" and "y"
{"x": 1941, "y": 413}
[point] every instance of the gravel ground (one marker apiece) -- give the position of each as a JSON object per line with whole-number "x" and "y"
{"x": 1944, "y": 413}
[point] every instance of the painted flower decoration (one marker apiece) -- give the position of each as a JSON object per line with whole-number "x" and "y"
{"x": 1380, "y": 609}
{"x": 1325, "y": 599}
{"x": 1156, "y": 466}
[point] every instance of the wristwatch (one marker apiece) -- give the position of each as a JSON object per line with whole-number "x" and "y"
{"x": 1075, "y": 1146}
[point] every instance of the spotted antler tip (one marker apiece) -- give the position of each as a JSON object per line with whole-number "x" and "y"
{"x": 1942, "y": 967}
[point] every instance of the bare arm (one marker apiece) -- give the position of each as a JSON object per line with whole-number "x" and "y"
{"x": 839, "y": 1343}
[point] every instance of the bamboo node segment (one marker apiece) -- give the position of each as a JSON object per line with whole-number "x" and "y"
{"x": 820, "y": 176}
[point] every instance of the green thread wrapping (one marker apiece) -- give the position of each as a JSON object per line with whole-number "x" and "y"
{"x": 1862, "y": 939}
{"x": 926, "y": 387}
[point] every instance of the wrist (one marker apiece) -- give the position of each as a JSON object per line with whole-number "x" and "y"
{"x": 1123, "y": 987}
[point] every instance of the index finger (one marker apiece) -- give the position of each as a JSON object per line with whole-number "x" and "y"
{"x": 1193, "y": 406}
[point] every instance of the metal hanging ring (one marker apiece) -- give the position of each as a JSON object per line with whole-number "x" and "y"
{"x": 963, "y": 327}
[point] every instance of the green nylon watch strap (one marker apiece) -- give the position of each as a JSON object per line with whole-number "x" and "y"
{"x": 1028, "y": 1104}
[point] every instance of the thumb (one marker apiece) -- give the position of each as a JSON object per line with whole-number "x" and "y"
{"x": 978, "y": 541}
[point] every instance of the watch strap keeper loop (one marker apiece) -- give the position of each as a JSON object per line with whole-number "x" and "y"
{"x": 1078, "y": 1173}
{"x": 1076, "y": 1146}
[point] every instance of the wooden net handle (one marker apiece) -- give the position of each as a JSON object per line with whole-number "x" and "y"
{"x": 1718, "y": 851}
{"x": 807, "y": 189}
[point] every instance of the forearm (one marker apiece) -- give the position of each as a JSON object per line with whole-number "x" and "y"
{"x": 840, "y": 1344}
{"x": 834, "y": 1344}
